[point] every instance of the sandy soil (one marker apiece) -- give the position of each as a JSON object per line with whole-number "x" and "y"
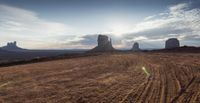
{"x": 108, "y": 78}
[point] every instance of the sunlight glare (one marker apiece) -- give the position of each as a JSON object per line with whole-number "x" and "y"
{"x": 119, "y": 29}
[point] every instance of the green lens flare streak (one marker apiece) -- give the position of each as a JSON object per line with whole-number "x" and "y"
{"x": 5, "y": 84}
{"x": 145, "y": 71}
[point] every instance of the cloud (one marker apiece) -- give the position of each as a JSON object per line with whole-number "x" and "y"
{"x": 26, "y": 26}
{"x": 84, "y": 41}
{"x": 149, "y": 17}
{"x": 178, "y": 7}
{"x": 179, "y": 21}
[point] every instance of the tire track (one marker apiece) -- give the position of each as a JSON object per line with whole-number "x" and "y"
{"x": 183, "y": 90}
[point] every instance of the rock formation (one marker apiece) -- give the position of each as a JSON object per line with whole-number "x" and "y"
{"x": 172, "y": 43}
{"x": 104, "y": 44}
{"x": 136, "y": 47}
{"x": 12, "y": 46}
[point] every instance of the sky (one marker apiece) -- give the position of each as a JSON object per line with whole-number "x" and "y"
{"x": 75, "y": 24}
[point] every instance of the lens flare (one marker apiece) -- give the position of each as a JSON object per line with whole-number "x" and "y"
{"x": 145, "y": 71}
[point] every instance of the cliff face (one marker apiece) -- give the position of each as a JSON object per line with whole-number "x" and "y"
{"x": 104, "y": 44}
{"x": 172, "y": 43}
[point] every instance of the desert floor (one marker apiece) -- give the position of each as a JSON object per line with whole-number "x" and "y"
{"x": 107, "y": 78}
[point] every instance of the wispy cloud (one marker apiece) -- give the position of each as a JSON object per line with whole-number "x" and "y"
{"x": 28, "y": 28}
{"x": 179, "y": 21}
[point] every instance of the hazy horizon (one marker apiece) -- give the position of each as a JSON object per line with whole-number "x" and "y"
{"x": 75, "y": 24}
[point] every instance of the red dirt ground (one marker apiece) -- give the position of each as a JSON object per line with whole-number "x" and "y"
{"x": 107, "y": 78}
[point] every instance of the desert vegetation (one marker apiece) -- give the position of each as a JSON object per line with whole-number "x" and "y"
{"x": 105, "y": 78}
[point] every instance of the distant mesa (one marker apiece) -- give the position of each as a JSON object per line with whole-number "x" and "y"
{"x": 136, "y": 47}
{"x": 12, "y": 46}
{"x": 104, "y": 44}
{"x": 172, "y": 43}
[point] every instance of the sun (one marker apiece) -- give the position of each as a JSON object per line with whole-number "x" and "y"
{"x": 119, "y": 29}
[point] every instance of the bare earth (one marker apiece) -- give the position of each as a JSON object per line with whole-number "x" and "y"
{"x": 107, "y": 78}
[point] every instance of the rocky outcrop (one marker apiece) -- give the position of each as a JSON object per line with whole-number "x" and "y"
{"x": 136, "y": 47}
{"x": 12, "y": 46}
{"x": 104, "y": 44}
{"x": 172, "y": 43}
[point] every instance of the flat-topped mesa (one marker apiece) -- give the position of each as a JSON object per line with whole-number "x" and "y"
{"x": 136, "y": 47}
{"x": 104, "y": 44}
{"x": 172, "y": 43}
